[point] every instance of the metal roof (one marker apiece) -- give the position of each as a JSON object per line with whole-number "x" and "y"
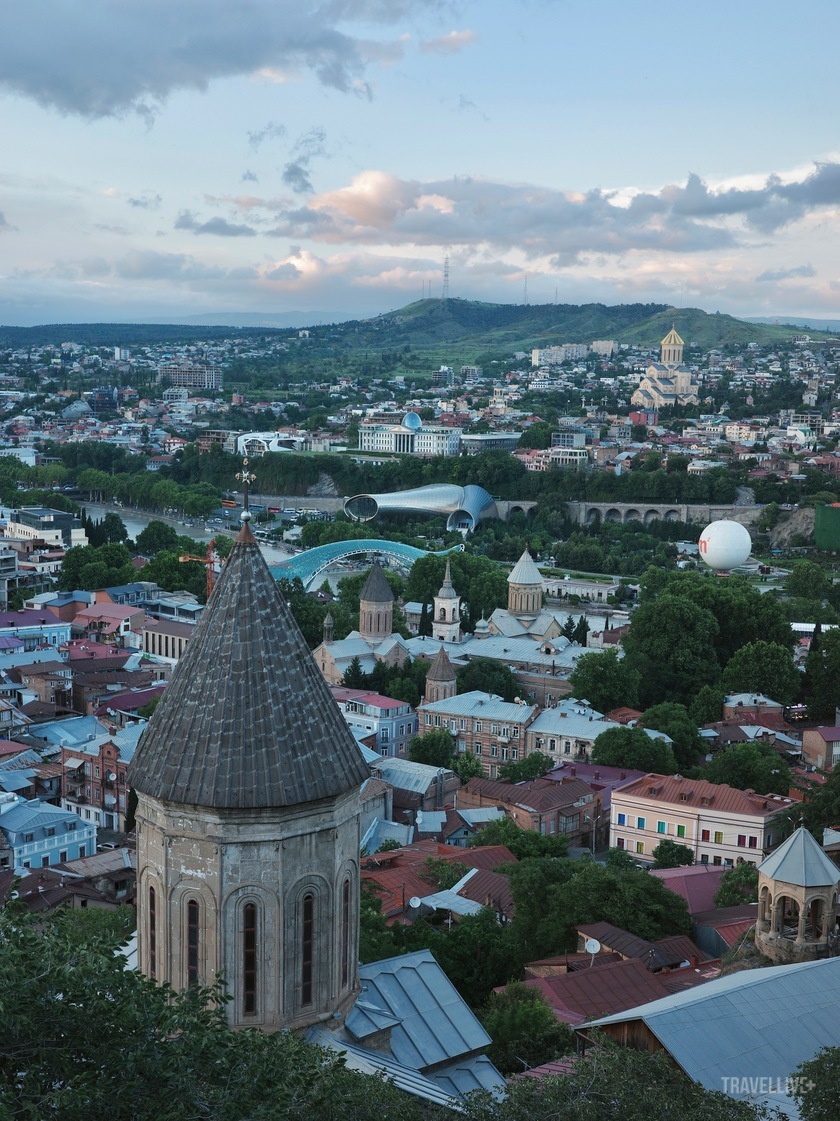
{"x": 482, "y": 706}
{"x": 469, "y": 503}
{"x": 376, "y": 589}
{"x": 758, "y": 1024}
{"x": 800, "y": 861}
{"x": 525, "y": 571}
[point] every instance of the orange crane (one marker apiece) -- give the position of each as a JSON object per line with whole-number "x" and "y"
{"x": 207, "y": 561}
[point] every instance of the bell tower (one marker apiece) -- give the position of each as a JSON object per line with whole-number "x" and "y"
{"x": 446, "y": 626}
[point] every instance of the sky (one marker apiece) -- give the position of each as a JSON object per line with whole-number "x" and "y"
{"x": 174, "y": 159}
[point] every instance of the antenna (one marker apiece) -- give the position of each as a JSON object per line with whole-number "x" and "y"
{"x": 446, "y": 278}
{"x": 593, "y": 947}
{"x": 525, "y": 296}
{"x": 414, "y": 902}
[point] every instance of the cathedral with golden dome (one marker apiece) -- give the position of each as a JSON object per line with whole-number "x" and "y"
{"x": 667, "y": 382}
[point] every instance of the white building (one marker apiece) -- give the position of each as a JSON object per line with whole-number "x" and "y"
{"x": 411, "y": 437}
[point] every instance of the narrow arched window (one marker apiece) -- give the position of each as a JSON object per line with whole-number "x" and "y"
{"x": 192, "y": 942}
{"x": 345, "y": 933}
{"x": 307, "y": 945}
{"x": 249, "y": 959}
{"x": 152, "y": 933}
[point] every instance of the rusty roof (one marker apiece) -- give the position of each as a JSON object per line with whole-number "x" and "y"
{"x": 674, "y": 790}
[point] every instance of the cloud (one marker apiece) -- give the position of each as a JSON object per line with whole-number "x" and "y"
{"x": 271, "y": 131}
{"x": 465, "y": 105}
{"x": 248, "y": 177}
{"x": 220, "y": 227}
{"x": 786, "y": 274}
{"x": 145, "y": 202}
{"x": 308, "y": 146}
{"x": 452, "y": 43}
{"x": 4, "y": 225}
{"x": 113, "y": 57}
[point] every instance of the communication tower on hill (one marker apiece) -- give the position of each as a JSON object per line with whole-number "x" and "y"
{"x": 446, "y": 278}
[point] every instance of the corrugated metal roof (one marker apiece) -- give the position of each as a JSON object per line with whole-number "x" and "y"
{"x": 482, "y": 706}
{"x": 525, "y": 571}
{"x": 757, "y": 1024}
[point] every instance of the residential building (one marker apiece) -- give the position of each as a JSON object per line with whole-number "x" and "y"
{"x": 492, "y": 729}
{"x": 54, "y": 527}
{"x": 721, "y": 825}
{"x": 191, "y": 375}
{"x": 391, "y": 722}
{"x": 551, "y": 808}
{"x": 821, "y": 747}
{"x": 95, "y": 786}
{"x": 38, "y": 835}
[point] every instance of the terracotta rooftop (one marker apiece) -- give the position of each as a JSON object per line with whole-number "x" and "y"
{"x": 247, "y": 721}
{"x": 675, "y": 790}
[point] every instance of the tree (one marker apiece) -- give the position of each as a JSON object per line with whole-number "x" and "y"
{"x": 605, "y": 680}
{"x": 674, "y": 720}
{"x": 822, "y": 672}
{"x": 635, "y": 750}
{"x": 488, "y": 676}
{"x": 581, "y": 631}
{"x": 524, "y": 1030}
{"x": 749, "y": 766}
{"x": 816, "y": 1085}
{"x": 445, "y": 873}
{"x": 434, "y": 748}
{"x": 707, "y": 706}
{"x": 157, "y": 535}
{"x": 466, "y": 766}
{"x": 671, "y": 645}
{"x": 671, "y": 854}
{"x": 531, "y": 767}
{"x": 610, "y": 1082}
{"x": 525, "y": 844}
{"x": 738, "y": 884}
{"x": 354, "y": 675}
{"x": 88, "y": 568}
{"x": 807, "y": 580}
{"x": 763, "y": 667}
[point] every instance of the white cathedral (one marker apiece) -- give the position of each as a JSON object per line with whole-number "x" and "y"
{"x": 668, "y": 382}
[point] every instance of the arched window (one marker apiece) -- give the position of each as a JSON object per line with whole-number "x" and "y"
{"x": 345, "y": 933}
{"x": 249, "y": 959}
{"x": 152, "y": 933}
{"x": 193, "y": 917}
{"x": 307, "y": 946}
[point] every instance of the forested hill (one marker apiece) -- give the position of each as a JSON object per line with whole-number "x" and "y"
{"x": 430, "y": 324}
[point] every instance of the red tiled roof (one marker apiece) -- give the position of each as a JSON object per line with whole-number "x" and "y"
{"x": 669, "y": 790}
{"x": 591, "y": 993}
{"x": 696, "y": 884}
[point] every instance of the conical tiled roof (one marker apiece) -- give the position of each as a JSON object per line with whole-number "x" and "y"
{"x": 376, "y": 589}
{"x": 247, "y": 721}
{"x": 672, "y": 338}
{"x": 441, "y": 668}
{"x": 447, "y": 591}
{"x": 525, "y": 571}
{"x": 800, "y": 861}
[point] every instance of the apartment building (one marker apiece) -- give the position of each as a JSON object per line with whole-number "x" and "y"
{"x": 392, "y": 722}
{"x": 721, "y": 825}
{"x": 492, "y": 729}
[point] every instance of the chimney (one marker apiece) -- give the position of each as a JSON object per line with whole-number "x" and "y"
{"x": 574, "y": 770}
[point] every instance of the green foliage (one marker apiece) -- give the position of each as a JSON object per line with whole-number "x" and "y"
{"x": 154, "y": 1055}
{"x": 674, "y": 720}
{"x": 749, "y": 766}
{"x": 671, "y": 854}
{"x": 605, "y": 680}
{"x": 763, "y": 667}
{"x": 435, "y": 748}
{"x": 375, "y": 939}
{"x": 807, "y": 580}
{"x": 87, "y": 568}
{"x": 487, "y": 676}
{"x": 820, "y": 808}
{"x": 155, "y": 536}
{"x": 671, "y": 645}
{"x": 738, "y": 884}
{"x": 635, "y": 750}
{"x": 822, "y": 674}
{"x": 481, "y": 584}
{"x": 524, "y": 1030}
{"x": 525, "y": 844}
{"x": 531, "y": 767}
{"x": 816, "y": 1085}
{"x": 445, "y": 873}
{"x": 611, "y": 1082}
{"x": 707, "y": 706}
{"x": 467, "y": 766}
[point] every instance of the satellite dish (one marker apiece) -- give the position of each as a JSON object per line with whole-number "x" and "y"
{"x": 414, "y": 902}
{"x": 592, "y": 946}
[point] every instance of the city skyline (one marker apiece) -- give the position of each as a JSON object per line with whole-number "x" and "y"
{"x": 195, "y": 158}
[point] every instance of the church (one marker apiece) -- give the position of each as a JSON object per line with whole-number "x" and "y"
{"x": 248, "y": 786}
{"x": 668, "y": 382}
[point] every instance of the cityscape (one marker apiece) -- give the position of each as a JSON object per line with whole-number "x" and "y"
{"x": 419, "y": 589}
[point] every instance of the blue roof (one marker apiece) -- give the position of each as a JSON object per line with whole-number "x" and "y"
{"x": 314, "y": 561}
{"x": 32, "y": 815}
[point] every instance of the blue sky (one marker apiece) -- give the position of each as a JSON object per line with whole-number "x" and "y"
{"x": 173, "y": 158}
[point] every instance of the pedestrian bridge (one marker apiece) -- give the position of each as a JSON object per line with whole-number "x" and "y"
{"x": 594, "y": 513}
{"x": 313, "y": 562}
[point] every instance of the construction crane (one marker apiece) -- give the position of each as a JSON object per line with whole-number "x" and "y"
{"x": 207, "y": 561}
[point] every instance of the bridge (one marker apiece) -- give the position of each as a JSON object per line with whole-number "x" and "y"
{"x": 594, "y": 513}
{"x": 313, "y": 562}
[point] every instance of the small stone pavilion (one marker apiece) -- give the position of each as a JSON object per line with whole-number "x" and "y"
{"x": 797, "y": 901}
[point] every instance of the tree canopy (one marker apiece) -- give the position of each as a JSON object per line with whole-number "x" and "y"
{"x": 749, "y": 766}
{"x": 763, "y": 667}
{"x": 605, "y": 680}
{"x": 635, "y": 750}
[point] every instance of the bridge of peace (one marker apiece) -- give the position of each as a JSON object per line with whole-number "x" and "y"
{"x": 593, "y": 513}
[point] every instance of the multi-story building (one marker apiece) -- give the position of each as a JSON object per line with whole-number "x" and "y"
{"x": 190, "y": 375}
{"x": 391, "y": 722}
{"x": 34, "y": 628}
{"x": 492, "y": 729}
{"x": 721, "y": 825}
{"x": 543, "y": 805}
{"x": 821, "y": 747}
{"x": 34, "y": 834}
{"x": 94, "y": 785}
{"x": 411, "y": 437}
{"x": 53, "y": 527}
{"x": 165, "y": 638}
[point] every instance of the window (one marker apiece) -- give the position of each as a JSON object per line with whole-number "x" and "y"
{"x": 50, "y": 832}
{"x": 478, "y": 749}
{"x": 704, "y": 858}
{"x": 45, "y": 862}
{"x": 345, "y": 933}
{"x": 552, "y": 745}
{"x": 478, "y": 726}
{"x": 514, "y": 753}
{"x": 494, "y": 729}
{"x": 705, "y": 835}
{"x": 661, "y": 827}
{"x": 622, "y": 819}
{"x": 152, "y": 933}
{"x": 718, "y": 837}
{"x": 27, "y": 837}
{"x": 640, "y": 823}
{"x": 494, "y": 751}
{"x": 742, "y": 840}
{"x": 716, "y": 860}
{"x": 619, "y": 842}
{"x": 753, "y": 842}
{"x": 96, "y": 772}
{"x": 516, "y": 733}
{"x": 62, "y": 856}
{"x": 437, "y": 721}
{"x": 428, "y": 718}
{"x": 640, "y": 846}
{"x": 192, "y": 942}
{"x": 680, "y": 830}
{"x": 82, "y": 851}
{"x": 249, "y": 959}
{"x": 462, "y": 724}
{"x": 307, "y": 947}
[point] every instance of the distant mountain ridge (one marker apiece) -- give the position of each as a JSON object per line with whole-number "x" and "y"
{"x": 435, "y": 323}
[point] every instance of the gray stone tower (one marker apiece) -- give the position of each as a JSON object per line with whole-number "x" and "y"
{"x": 440, "y": 680}
{"x": 525, "y": 588}
{"x": 247, "y": 781}
{"x": 446, "y": 626}
{"x": 376, "y": 607}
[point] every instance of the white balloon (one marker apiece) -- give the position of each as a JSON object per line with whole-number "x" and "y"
{"x": 724, "y": 545}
